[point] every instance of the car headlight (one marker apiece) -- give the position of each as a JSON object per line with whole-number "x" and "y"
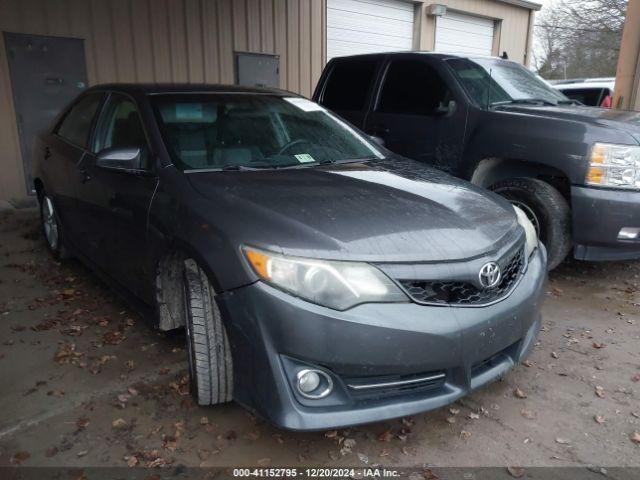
{"x": 529, "y": 230}
{"x": 337, "y": 285}
{"x": 616, "y": 166}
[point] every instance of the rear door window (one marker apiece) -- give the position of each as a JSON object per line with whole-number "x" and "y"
{"x": 588, "y": 96}
{"x": 348, "y": 85}
{"x": 412, "y": 87}
{"x": 76, "y": 124}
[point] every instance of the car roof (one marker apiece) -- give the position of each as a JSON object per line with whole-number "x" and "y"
{"x": 420, "y": 52}
{"x": 583, "y": 85}
{"x": 160, "y": 88}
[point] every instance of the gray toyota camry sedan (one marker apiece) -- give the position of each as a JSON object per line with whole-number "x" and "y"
{"x": 322, "y": 280}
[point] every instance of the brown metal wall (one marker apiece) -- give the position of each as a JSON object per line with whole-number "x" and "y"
{"x": 163, "y": 41}
{"x": 513, "y": 25}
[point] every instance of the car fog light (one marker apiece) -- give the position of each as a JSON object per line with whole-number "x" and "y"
{"x": 629, "y": 233}
{"x": 313, "y": 384}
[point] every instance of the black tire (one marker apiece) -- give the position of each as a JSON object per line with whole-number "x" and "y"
{"x": 52, "y": 227}
{"x": 210, "y": 363}
{"x": 547, "y": 209}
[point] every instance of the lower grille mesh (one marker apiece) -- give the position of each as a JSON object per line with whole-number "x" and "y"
{"x": 464, "y": 293}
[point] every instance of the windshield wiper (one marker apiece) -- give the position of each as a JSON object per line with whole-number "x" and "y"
{"x": 346, "y": 160}
{"x": 525, "y": 101}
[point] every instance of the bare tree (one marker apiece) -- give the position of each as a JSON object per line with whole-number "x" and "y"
{"x": 580, "y": 38}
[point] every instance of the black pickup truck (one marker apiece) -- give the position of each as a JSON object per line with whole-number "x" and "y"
{"x": 575, "y": 170}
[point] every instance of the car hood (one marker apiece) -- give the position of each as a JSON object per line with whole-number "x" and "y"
{"x": 623, "y": 120}
{"x": 390, "y": 210}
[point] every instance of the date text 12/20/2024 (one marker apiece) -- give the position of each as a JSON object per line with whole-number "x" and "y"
{"x": 315, "y": 473}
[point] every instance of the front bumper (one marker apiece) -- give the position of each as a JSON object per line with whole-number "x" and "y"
{"x": 598, "y": 216}
{"x": 273, "y": 335}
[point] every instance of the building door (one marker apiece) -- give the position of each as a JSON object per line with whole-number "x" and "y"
{"x": 368, "y": 26}
{"x": 46, "y": 74}
{"x": 462, "y": 33}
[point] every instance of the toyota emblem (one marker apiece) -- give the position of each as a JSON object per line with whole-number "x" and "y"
{"x": 489, "y": 275}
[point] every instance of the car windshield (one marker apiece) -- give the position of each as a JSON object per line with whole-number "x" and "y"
{"x": 491, "y": 82}
{"x": 251, "y": 131}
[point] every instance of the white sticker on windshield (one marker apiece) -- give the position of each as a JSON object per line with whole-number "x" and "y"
{"x": 305, "y": 158}
{"x": 304, "y": 104}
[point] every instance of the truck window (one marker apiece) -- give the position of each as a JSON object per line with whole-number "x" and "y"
{"x": 411, "y": 87}
{"x": 348, "y": 84}
{"x": 588, "y": 96}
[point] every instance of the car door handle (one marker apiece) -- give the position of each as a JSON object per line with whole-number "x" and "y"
{"x": 84, "y": 175}
{"x": 47, "y": 153}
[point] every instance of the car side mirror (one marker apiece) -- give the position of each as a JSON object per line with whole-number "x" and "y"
{"x": 447, "y": 109}
{"x": 119, "y": 159}
{"x": 377, "y": 140}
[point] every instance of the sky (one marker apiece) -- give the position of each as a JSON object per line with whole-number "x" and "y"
{"x": 536, "y": 44}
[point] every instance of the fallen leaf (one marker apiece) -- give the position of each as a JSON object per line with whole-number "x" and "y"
{"x": 82, "y": 453}
{"x": 409, "y": 452}
{"x": 385, "y": 436}
{"x": 636, "y": 378}
{"x": 563, "y": 441}
{"x": 527, "y": 363}
{"x": 454, "y": 411}
{"x": 465, "y": 435}
{"x": 132, "y": 460}
{"x": 527, "y": 414}
{"x": 473, "y": 416}
{"x": 598, "y": 345}
{"x": 119, "y": 423}
{"x": 599, "y": 391}
{"x": 20, "y": 457}
{"x": 515, "y": 472}
{"x": 635, "y": 438}
{"x": 82, "y": 423}
{"x": 51, "y": 451}
{"x": 408, "y": 422}
{"x": 331, "y": 434}
{"x": 204, "y": 421}
{"x": 599, "y": 419}
{"x": 554, "y": 355}
{"x": 363, "y": 458}
{"x": 519, "y": 393}
{"x": 451, "y": 420}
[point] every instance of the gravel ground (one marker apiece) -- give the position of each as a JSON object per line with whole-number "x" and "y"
{"x": 85, "y": 382}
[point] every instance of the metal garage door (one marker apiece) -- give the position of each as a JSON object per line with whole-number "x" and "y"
{"x": 368, "y": 26}
{"x": 460, "y": 33}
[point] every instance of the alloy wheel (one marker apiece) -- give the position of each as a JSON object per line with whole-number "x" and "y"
{"x": 50, "y": 223}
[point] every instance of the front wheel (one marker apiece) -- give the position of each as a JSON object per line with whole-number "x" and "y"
{"x": 210, "y": 363}
{"x": 548, "y": 211}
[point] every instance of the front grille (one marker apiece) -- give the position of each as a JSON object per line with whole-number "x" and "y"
{"x": 465, "y": 293}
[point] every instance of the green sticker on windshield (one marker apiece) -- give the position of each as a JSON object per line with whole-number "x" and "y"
{"x": 304, "y": 158}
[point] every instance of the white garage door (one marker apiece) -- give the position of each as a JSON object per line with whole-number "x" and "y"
{"x": 368, "y": 26}
{"x": 459, "y": 33}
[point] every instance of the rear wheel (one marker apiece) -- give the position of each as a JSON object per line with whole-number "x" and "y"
{"x": 51, "y": 227}
{"x": 210, "y": 363}
{"x": 548, "y": 211}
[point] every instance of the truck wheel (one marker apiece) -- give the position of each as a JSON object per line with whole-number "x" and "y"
{"x": 51, "y": 227}
{"x": 548, "y": 211}
{"x": 210, "y": 364}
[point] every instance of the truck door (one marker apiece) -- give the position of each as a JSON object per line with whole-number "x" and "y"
{"x": 417, "y": 114}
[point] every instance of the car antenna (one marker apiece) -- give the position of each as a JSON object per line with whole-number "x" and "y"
{"x": 489, "y": 88}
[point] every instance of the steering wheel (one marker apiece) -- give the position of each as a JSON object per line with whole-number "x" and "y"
{"x": 292, "y": 143}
